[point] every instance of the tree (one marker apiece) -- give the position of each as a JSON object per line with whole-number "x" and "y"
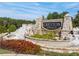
{"x": 55, "y": 15}
{"x": 11, "y": 28}
{"x": 49, "y": 16}
{"x": 63, "y": 14}
{"x": 77, "y": 15}
{"x": 76, "y": 20}
{"x": 3, "y": 29}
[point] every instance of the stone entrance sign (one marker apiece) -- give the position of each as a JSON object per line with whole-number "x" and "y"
{"x": 59, "y": 25}
{"x": 52, "y": 25}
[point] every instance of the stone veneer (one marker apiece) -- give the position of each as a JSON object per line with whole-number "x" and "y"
{"x": 66, "y": 26}
{"x": 62, "y": 50}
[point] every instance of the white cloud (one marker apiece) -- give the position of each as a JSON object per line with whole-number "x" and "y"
{"x": 31, "y": 10}
{"x": 6, "y": 11}
{"x": 34, "y": 6}
{"x": 13, "y": 14}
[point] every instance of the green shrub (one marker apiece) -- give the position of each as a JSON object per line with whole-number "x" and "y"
{"x": 11, "y": 28}
{"x": 2, "y": 29}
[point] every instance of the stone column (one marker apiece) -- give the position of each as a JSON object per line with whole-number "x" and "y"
{"x": 39, "y": 22}
{"x": 67, "y": 26}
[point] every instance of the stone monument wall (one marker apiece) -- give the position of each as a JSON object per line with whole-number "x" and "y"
{"x": 63, "y": 31}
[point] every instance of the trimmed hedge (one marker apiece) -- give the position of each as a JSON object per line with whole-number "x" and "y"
{"x": 21, "y": 46}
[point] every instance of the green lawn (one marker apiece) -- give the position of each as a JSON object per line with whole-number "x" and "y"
{"x": 3, "y": 51}
{"x": 42, "y": 53}
{"x": 47, "y": 53}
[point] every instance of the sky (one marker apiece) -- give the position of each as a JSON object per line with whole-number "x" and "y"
{"x": 33, "y": 10}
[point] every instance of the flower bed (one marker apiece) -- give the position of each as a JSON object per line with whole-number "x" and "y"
{"x": 21, "y": 46}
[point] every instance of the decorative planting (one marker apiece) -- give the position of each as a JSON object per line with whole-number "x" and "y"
{"x": 21, "y": 46}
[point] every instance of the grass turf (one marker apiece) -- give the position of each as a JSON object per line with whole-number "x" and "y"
{"x": 4, "y": 51}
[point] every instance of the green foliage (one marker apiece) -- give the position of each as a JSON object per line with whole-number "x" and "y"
{"x": 4, "y": 51}
{"x": 9, "y": 24}
{"x": 49, "y": 35}
{"x": 3, "y": 29}
{"x": 47, "y": 53}
{"x": 56, "y": 15}
{"x": 76, "y": 20}
{"x": 11, "y": 28}
{"x": 49, "y": 16}
{"x": 63, "y": 14}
